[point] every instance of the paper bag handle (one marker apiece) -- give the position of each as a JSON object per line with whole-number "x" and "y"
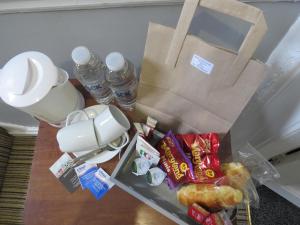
{"x": 229, "y": 7}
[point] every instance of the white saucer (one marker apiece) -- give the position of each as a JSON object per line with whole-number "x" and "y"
{"x": 104, "y": 156}
{"x": 100, "y": 158}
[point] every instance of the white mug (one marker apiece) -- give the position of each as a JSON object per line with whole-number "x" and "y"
{"x": 77, "y": 137}
{"x": 110, "y": 124}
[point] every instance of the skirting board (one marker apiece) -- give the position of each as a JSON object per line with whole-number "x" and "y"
{"x": 281, "y": 190}
{"x": 15, "y": 6}
{"x": 19, "y": 130}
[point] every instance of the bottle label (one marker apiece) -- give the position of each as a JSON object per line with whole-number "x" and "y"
{"x": 126, "y": 94}
{"x": 96, "y": 89}
{"x": 93, "y": 87}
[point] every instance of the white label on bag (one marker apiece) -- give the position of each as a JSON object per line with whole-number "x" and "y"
{"x": 202, "y": 64}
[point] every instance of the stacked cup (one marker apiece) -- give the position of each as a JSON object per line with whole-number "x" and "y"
{"x": 92, "y": 134}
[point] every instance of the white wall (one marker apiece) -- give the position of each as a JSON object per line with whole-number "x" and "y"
{"x": 9, "y": 115}
{"x": 56, "y": 33}
{"x": 102, "y": 30}
{"x": 273, "y": 116}
{"x": 272, "y": 125}
{"x": 122, "y": 29}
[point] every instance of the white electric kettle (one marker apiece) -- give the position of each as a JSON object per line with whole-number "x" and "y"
{"x": 32, "y": 83}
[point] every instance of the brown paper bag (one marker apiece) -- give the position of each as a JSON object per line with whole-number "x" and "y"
{"x": 192, "y": 86}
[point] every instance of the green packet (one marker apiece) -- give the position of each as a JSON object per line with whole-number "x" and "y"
{"x": 147, "y": 151}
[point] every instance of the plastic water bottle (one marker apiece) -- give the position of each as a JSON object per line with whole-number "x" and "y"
{"x": 122, "y": 80}
{"x": 91, "y": 71}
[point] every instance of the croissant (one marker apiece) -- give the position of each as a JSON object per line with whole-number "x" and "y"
{"x": 209, "y": 195}
{"x": 236, "y": 174}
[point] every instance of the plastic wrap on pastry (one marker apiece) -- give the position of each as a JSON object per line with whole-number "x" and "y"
{"x": 210, "y": 195}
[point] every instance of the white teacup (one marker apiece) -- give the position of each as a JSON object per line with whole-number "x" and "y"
{"x": 76, "y": 137}
{"x": 110, "y": 124}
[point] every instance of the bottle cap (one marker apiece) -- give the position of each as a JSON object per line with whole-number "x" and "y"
{"x": 81, "y": 55}
{"x": 115, "y": 61}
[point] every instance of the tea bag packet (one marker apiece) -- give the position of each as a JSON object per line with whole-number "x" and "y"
{"x": 139, "y": 129}
{"x": 85, "y": 173}
{"x": 64, "y": 172}
{"x": 145, "y": 150}
{"x": 148, "y": 156}
{"x": 100, "y": 184}
{"x": 149, "y": 127}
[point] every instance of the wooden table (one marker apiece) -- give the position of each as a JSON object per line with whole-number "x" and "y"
{"x": 48, "y": 202}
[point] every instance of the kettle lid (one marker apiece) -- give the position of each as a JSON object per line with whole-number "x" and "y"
{"x": 27, "y": 78}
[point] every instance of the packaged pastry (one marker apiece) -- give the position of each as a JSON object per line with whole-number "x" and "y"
{"x": 202, "y": 149}
{"x": 209, "y": 195}
{"x": 237, "y": 175}
{"x": 197, "y": 213}
{"x": 155, "y": 176}
{"x": 174, "y": 162}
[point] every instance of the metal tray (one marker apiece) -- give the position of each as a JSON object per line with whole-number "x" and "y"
{"x": 160, "y": 198}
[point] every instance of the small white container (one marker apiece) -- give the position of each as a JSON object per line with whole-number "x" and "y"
{"x": 32, "y": 83}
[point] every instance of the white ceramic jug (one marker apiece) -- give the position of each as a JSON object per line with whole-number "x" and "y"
{"x": 32, "y": 83}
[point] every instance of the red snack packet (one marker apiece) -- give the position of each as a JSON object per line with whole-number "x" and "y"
{"x": 202, "y": 149}
{"x": 197, "y": 213}
{"x": 207, "y": 143}
{"x": 174, "y": 162}
{"x": 213, "y": 219}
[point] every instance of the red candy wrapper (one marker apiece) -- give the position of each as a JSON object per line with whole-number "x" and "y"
{"x": 213, "y": 219}
{"x": 197, "y": 213}
{"x": 207, "y": 143}
{"x": 202, "y": 149}
{"x": 174, "y": 161}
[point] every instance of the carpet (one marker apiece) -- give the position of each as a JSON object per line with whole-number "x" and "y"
{"x": 274, "y": 209}
{"x": 15, "y": 182}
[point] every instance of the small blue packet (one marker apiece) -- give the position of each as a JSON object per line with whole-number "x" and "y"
{"x": 85, "y": 173}
{"x": 100, "y": 184}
